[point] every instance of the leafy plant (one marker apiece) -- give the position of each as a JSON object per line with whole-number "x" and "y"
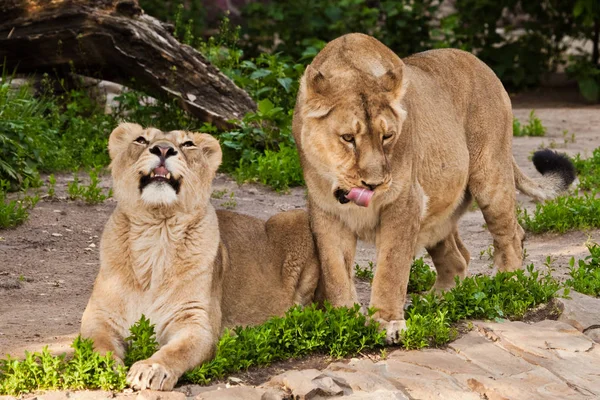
{"x": 14, "y": 212}
{"x": 422, "y": 277}
{"x": 585, "y": 277}
{"x": 563, "y": 213}
{"x": 141, "y": 342}
{"x": 231, "y": 203}
{"x": 588, "y": 170}
{"x": 92, "y": 193}
{"x": 534, "y": 126}
{"x": 364, "y": 274}
{"x": 43, "y": 371}
{"x": 334, "y": 331}
{"x": 505, "y": 295}
{"x": 51, "y": 186}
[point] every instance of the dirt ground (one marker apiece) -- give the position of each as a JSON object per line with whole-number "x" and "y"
{"x": 48, "y": 265}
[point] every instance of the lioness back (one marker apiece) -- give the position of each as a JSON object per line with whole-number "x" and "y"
{"x": 272, "y": 265}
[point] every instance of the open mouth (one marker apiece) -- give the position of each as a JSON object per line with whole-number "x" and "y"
{"x": 160, "y": 175}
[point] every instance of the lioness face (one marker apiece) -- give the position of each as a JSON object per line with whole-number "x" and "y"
{"x": 349, "y": 130}
{"x": 169, "y": 170}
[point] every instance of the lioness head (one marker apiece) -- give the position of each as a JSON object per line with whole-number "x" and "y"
{"x": 352, "y": 115}
{"x": 168, "y": 170}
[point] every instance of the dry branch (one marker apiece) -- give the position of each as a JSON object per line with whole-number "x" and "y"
{"x": 115, "y": 40}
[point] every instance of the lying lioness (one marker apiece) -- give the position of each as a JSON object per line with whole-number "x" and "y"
{"x": 167, "y": 254}
{"x": 394, "y": 151}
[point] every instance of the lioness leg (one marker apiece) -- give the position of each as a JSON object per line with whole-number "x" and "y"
{"x": 497, "y": 203}
{"x": 336, "y": 245}
{"x": 396, "y": 240}
{"x": 187, "y": 345}
{"x": 451, "y": 259}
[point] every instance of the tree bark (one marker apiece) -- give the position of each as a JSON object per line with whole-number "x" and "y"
{"x": 116, "y": 41}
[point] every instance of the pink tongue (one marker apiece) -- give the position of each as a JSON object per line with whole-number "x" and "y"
{"x": 360, "y": 196}
{"x": 161, "y": 171}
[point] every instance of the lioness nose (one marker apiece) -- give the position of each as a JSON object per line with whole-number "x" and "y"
{"x": 163, "y": 151}
{"x": 372, "y": 185}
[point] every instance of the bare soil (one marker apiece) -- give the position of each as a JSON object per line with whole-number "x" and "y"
{"x": 48, "y": 265}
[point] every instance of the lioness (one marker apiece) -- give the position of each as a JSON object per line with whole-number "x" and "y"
{"x": 418, "y": 139}
{"x": 167, "y": 254}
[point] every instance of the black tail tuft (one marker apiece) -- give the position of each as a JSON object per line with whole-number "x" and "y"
{"x": 550, "y": 162}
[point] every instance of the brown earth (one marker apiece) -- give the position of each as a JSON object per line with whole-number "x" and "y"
{"x": 48, "y": 265}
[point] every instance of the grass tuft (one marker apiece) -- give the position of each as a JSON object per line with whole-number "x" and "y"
{"x": 534, "y": 126}
{"x": 585, "y": 277}
{"x": 588, "y": 170}
{"x": 562, "y": 214}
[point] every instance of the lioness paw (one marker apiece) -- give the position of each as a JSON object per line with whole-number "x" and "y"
{"x": 393, "y": 329}
{"x": 149, "y": 375}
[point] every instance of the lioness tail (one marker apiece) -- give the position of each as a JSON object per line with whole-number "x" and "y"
{"x": 558, "y": 172}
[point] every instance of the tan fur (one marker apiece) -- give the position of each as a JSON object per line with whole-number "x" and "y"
{"x": 451, "y": 126}
{"x": 171, "y": 260}
{"x": 273, "y": 265}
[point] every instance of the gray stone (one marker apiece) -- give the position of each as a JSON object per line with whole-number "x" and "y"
{"x": 581, "y": 311}
{"x": 594, "y": 334}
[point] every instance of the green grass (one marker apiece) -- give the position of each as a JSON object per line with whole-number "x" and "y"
{"x": 421, "y": 278}
{"x": 533, "y": 127}
{"x": 588, "y": 170}
{"x": 42, "y": 371}
{"x": 585, "y": 277}
{"x": 563, "y": 214}
{"x": 92, "y": 193}
{"x": 142, "y": 341}
{"x": 337, "y": 332}
{"x": 14, "y": 212}
{"x": 364, "y": 274}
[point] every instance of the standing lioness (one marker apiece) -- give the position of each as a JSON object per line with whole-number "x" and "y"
{"x": 394, "y": 151}
{"x": 167, "y": 254}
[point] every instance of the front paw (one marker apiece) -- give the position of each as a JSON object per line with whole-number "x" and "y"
{"x": 146, "y": 374}
{"x": 393, "y": 329}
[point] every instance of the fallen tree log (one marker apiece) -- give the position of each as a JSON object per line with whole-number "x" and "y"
{"x": 116, "y": 41}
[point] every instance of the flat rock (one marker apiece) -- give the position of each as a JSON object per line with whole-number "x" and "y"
{"x": 566, "y": 354}
{"x": 234, "y": 393}
{"x": 581, "y": 311}
{"x": 79, "y": 395}
{"x": 158, "y": 395}
{"x": 309, "y": 384}
{"x": 594, "y": 334}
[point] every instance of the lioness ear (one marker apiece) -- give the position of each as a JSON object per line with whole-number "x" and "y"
{"x": 316, "y": 83}
{"x": 316, "y": 87}
{"x": 393, "y": 81}
{"x": 211, "y": 148}
{"x": 121, "y": 136}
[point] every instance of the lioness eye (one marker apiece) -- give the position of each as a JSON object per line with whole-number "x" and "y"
{"x": 189, "y": 143}
{"x": 388, "y": 135}
{"x": 141, "y": 140}
{"x": 348, "y": 138}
